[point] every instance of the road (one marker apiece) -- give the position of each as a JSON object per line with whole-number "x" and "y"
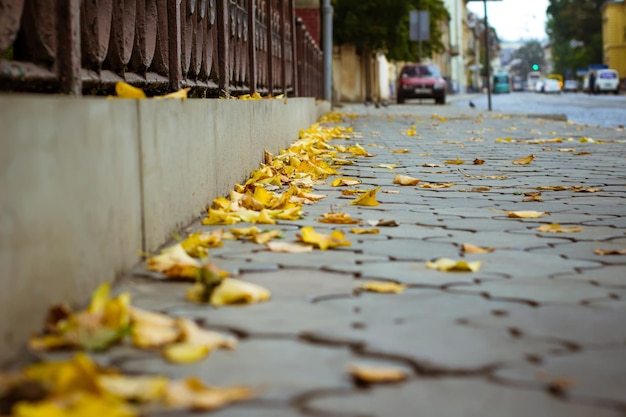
{"x": 601, "y": 110}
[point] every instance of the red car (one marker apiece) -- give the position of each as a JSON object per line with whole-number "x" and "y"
{"x": 421, "y": 81}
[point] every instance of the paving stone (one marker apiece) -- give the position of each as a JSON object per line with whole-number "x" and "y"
{"x": 415, "y": 273}
{"x": 540, "y": 291}
{"x": 279, "y": 318}
{"x": 535, "y": 265}
{"x": 411, "y": 250}
{"x": 155, "y": 295}
{"x": 595, "y": 374}
{"x": 444, "y": 397}
{"x": 280, "y": 368}
{"x": 316, "y": 259}
{"x": 609, "y": 276}
{"x": 589, "y": 233}
{"x": 250, "y": 408}
{"x": 504, "y": 239}
{"x": 440, "y": 344}
{"x": 580, "y": 325}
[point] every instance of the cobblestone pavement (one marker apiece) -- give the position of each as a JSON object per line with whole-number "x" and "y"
{"x": 539, "y": 330}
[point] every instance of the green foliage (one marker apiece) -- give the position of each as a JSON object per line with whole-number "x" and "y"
{"x": 384, "y": 24}
{"x": 530, "y": 54}
{"x": 579, "y": 21}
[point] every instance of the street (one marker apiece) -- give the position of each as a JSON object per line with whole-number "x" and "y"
{"x": 600, "y": 110}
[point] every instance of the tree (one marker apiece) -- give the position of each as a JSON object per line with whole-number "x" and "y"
{"x": 575, "y": 31}
{"x": 531, "y": 53}
{"x": 372, "y": 25}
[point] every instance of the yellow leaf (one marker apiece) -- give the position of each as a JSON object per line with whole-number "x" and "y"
{"x": 337, "y": 217}
{"x": 604, "y": 252}
{"x": 286, "y": 247}
{"x": 524, "y": 160}
{"x": 551, "y": 188}
{"x": 263, "y": 238}
{"x": 383, "y": 287}
{"x": 557, "y": 228}
{"x": 197, "y": 244}
{"x": 377, "y": 374}
{"x": 174, "y": 262}
{"x": 99, "y": 298}
{"x": 456, "y": 161}
{"x": 234, "y": 291}
{"x": 194, "y": 394}
{"x": 182, "y": 93}
{"x": 124, "y": 90}
{"x": 532, "y": 196}
{"x": 185, "y": 352}
{"x": 367, "y": 199}
{"x": 323, "y": 241}
{"x": 450, "y": 265}
{"x": 358, "y": 231}
{"x": 525, "y": 214}
{"x": 134, "y": 388}
{"x": 345, "y": 181}
{"x": 388, "y": 166}
{"x": 401, "y": 151}
{"x": 437, "y": 185}
{"x": 405, "y": 180}
{"x": 469, "y": 248}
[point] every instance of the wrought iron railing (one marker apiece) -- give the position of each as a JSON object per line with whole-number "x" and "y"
{"x": 217, "y": 47}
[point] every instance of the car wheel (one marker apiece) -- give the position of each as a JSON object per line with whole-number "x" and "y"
{"x": 400, "y": 100}
{"x": 440, "y": 100}
{"x": 616, "y": 92}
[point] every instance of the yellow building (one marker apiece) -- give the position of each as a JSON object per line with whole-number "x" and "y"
{"x": 614, "y": 35}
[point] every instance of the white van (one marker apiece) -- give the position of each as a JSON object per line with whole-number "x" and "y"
{"x": 607, "y": 80}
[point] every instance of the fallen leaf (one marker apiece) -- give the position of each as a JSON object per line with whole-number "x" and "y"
{"x": 286, "y": 247}
{"x": 469, "y": 248}
{"x": 376, "y": 374}
{"x": 478, "y": 161}
{"x": 450, "y": 265}
{"x": 383, "y": 287}
{"x": 135, "y": 388}
{"x": 323, "y": 241}
{"x": 194, "y": 394}
{"x": 124, "y": 90}
{"x": 174, "y": 262}
{"x": 235, "y": 291}
{"x": 390, "y": 191}
{"x": 551, "y": 188}
{"x": 582, "y": 189}
{"x": 437, "y": 185}
{"x": 367, "y": 199}
{"x": 524, "y": 160}
{"x": 405, "y": 180}
{"x": 525, "y": 214}
{"x": 337, "y": 217}
{"x": 185, "y": 352}
{"x": 567, "y": 149}
{"x": 360, "y": 231}
{"x": 431, "y": 165}
{"x": 383, "y": 223}
{"x": 388, "y": 166}
{"x": 182, "y": 93}
{"x": 604, "y": 252}
{"x": 400, "y": 151}
{"x": 345, "y": 181}
{"x": 529, "y": 197}
{"x": 557, "y": 228}
{"x": 456, "y": 161}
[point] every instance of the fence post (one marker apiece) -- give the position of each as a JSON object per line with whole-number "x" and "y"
{"x": 68, "y": 46}
{"x": 223, "y": 36}
{"x": 174, "y": 44}
{"x": 252, "y": 55}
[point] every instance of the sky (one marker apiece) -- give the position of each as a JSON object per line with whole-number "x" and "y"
{"x": 514, "y": 19}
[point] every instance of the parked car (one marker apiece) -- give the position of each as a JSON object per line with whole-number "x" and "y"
{"x": 421, "y": 81}
{"x": 570, "y": 85}
{"x": 501, "y": 83}
{"x": 551, "y": 85}
{"x": 538, "y": 86}
{"x": 607, "y": 81}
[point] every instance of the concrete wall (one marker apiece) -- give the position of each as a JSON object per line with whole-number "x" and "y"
{"x": 86, "y": 183}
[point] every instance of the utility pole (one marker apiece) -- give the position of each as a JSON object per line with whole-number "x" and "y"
{"x": 487, "y": 56}
{"x": 327, "y": 49}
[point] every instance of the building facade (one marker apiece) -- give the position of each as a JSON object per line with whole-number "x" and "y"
{"x": 614, "y": 36}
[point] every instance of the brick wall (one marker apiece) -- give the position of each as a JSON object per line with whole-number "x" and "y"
{"x": 311, "y": 19}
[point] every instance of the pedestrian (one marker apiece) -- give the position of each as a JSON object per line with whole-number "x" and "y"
{"x": 592, "y": 82}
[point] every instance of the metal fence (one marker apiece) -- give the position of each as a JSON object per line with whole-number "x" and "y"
{"x": 217, "y": 47}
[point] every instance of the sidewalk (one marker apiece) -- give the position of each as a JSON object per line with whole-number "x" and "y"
{"x": 538, "y": 330}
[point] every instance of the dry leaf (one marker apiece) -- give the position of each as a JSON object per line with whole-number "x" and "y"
{"x": 478, "y": 161}
{"x": 405, "y": 180}
{"x": 376, "y": 374}
{"x": 524, "y": 160}
{"x": 551, "y": 188}
{"x": 345, "y": 181}
{"x": 323, "y": 241}
{"x": 174, "y": 262}
{"x": 390, "y": 191}
{"x": 337, "y": 217}
{"x": 185, "y": 352}
{"x": 557, "y": 228}
{"x": 124, "y": 90}
{"x": 383, "y": 223}
{"x": 194, "y": 394}
{"x": 383, "y": 287}
{"x": 286, "y": 247}
{"x": 359, "y": 231}
{"x": 388, "y": 166}
{"x": 436, "y": 185}
{"x": 400, "y": 151}
{"x": 469, "y": 248}
{"x": 431, "y": 166}
{"x": 182, "y": 93}
{"x": 582, "y": 189}
{"x": 235, "y": 291}
{"x": 367, "y": 199}
{"x": 450, "y": 265}
{"x": 525, "y": 214}
{"x": 456, "y": 161}
{"x": 529, "y": 197}
{"x": 604, "y": 252}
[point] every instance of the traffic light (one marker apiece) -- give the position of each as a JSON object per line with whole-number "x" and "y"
{"x": 535, "y": 67}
